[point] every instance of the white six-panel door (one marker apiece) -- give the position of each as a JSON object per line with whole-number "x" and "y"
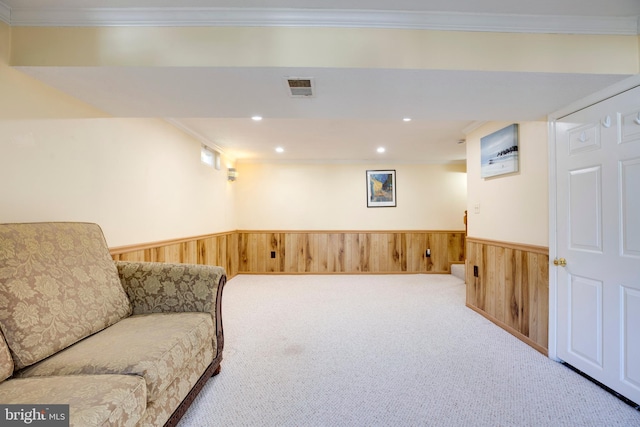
{"x": 598, "y": 235}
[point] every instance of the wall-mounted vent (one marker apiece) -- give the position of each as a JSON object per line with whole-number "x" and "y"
{"x": 300, "y": 87}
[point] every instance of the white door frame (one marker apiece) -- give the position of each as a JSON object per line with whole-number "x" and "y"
{"x": 610, "y": 91}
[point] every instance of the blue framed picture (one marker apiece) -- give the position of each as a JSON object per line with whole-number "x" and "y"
{"x": 381, "y": 188}
{"x": 499, "y": 152}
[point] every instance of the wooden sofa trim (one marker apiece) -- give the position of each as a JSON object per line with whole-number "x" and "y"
{"x": 212, "y": 370}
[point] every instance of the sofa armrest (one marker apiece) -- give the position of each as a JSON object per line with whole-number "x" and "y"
{"x": 154, "y": 287}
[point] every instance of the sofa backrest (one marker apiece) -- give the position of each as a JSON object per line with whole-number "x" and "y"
{"x": 58, "y": 284}
{"x": 6, "y": 362}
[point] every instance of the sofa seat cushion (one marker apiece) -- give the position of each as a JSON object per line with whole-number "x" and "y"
{"x": 157, "y": 347}
{"x": 160, "y": 410}
{"x": 94, "y": 400}
{"x": 58, "y": 284}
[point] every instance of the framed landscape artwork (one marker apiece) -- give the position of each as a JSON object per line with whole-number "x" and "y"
{"x": 381, "y": 188}
{"x": 499, "y": 152}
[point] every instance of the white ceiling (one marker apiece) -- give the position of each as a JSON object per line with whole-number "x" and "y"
{"x": 355, "y": 110}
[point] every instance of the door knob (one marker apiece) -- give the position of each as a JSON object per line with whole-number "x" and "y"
{"x": 560, "y": 261}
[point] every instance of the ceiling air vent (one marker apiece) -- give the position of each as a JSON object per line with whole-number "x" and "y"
{"x": 300, "y": 87}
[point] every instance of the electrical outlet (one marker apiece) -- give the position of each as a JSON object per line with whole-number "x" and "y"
{"x": 475, "y": 271}
{"x": 273, "y": 254}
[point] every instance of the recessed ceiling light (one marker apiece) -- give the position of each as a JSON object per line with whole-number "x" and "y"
{"x": 380, "y": 150}
{"x": 279, "y": 149}
{"x": 406, "y": 119}
{"x": 256, "y": 118}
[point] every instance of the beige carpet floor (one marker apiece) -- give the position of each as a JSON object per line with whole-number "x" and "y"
{"x": 383, "y": 350}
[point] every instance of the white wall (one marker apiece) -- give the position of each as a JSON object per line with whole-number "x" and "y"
{"x": 333, "y": 197}
{"x": 514, "y": 207}
{"x": 63, "y": 160}
{"x": 140, "y": 179}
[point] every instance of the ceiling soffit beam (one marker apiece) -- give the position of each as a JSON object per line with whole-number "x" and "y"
{"x": 321, "y": 48}
{"x": 273, "y": 17}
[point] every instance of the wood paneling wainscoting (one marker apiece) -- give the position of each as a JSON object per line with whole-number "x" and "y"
{"x": 310, "y": 252}
{"x": 214, "y": 249}
{"x": 325, "y": 252}
{"x": 511, "y": 288}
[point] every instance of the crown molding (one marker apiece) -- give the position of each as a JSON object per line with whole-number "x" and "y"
{"x": 199, "y": 137}
{"x": 473, "y": 126}
{"x": 274, "y": 17}
{"x": 5, "y": 13}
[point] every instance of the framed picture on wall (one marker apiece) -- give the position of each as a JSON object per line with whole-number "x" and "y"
{"x": 381, "y": 188}
{"x": 499, "y": 152}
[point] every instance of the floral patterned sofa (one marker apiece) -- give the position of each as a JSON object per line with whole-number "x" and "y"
{"x": 124, "y": 344}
